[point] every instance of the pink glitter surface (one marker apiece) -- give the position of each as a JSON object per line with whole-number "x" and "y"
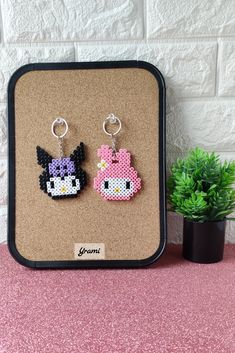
{"x": 172, "y": 306}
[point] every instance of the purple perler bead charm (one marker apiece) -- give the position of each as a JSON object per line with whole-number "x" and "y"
{"x": 62, "y": 177}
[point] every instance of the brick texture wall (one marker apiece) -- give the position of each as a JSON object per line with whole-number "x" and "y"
{"x": 192, "y": 42}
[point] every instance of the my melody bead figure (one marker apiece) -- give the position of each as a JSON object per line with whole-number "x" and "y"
{"x": 116, "y": 179}
{"x": 62, "y": 177}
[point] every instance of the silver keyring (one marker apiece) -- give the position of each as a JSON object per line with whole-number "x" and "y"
{"x": 112, "y": 119}
{"x": 56, "y": 122}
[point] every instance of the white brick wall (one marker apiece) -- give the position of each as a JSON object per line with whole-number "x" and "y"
{"x": 191, "y": 41}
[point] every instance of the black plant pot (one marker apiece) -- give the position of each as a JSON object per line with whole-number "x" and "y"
{"x": 203, "y": 242}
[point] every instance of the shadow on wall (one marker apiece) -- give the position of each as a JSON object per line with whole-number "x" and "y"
{"x": 175, "y": 141}
{"x": 176, "y": 138}
{"x": 174, "y": 228}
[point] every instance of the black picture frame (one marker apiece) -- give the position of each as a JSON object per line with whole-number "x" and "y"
{"x": 73, "y": 264}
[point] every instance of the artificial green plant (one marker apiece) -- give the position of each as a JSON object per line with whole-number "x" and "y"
{"x": 200, "y": 187}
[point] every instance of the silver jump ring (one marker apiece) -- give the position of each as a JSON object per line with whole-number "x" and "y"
{"x": 112, "y": 119}
{"x": 56, "y": 122}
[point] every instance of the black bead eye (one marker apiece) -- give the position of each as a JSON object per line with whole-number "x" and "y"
{"x": 73, "y": 182}
{"x": 106, "y": 184}
{"x": 52, "y": 184}
{"x": 128, "y": 185}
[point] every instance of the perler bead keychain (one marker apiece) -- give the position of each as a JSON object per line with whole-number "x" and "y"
{"x": 63, "y": 176}
{"x": 116, "y": 179}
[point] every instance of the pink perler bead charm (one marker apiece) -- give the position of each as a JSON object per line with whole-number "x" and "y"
{"x": 116, "y": 179}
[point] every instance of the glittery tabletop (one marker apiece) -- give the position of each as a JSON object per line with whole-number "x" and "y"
{"x": 172, "y": 306}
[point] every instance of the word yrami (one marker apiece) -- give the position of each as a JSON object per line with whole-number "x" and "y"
{"x": 83, "y": 251}
{"x": 89, "y": 251}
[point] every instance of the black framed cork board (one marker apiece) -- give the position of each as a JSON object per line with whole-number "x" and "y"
{"x": 47, "y": 233}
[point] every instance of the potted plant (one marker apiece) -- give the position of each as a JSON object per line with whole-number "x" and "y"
{"x": 200, "y": 188}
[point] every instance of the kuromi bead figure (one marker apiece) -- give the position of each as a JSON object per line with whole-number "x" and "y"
{"x": 116, "y": 179}
{"x": 62, "y": 177}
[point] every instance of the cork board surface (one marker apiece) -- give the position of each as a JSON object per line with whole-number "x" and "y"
{"x": 46, "y": 229}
